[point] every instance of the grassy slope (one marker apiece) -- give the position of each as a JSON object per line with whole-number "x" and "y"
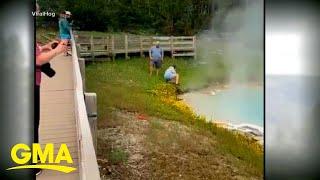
{"x": 126, "y": 85}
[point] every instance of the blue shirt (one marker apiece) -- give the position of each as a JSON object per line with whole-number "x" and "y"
{"x": 169, "y": 73}
{"x": 64, "y": 29}
{"x": 156, "y": 53}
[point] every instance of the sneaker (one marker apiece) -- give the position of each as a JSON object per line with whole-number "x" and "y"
{"x": 37, "y": 171}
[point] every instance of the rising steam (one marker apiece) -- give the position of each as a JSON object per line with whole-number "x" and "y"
{"x": 233, "y": 48}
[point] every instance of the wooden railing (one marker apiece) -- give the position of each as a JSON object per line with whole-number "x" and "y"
{"x": 111, "y": 45}
{"x": 88, "y": 166}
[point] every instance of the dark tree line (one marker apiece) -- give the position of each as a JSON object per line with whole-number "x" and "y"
{"x": 170, "y": 17}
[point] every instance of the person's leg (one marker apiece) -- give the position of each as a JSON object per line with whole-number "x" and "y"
{"x": 69, "y": 48}
{"x": 150, "y": 67}
{"x": 173, "y": 80}
{"x": 158, "y": 66}
{"x": 36, "y": 114}
{"x": 37, "y": 171}
{"x": 65, "y": 42}
{"x": 177, "y": 78}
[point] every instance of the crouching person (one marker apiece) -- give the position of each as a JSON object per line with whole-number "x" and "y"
{"x": 171, "y": 75}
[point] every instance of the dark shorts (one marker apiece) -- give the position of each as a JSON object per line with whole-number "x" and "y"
{"x": 156, "y": 63}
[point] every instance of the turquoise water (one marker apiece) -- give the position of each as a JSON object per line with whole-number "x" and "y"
{"x": 234, "y": 105}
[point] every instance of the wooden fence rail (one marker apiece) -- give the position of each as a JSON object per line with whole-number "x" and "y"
{"x": 88, "y": 166}
{"x": 111, "y": 45}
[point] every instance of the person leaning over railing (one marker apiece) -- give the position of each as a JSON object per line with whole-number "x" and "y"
{"x": 43, "y": 55}
{"x": 64, "y": 28}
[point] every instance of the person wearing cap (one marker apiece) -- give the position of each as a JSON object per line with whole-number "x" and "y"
{"x": 156, "y": 58}
{"x": 170, "y": 75}
{"x": 64, "y": 28}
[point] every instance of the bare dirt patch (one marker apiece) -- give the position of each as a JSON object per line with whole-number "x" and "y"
{"x": 134, "y": 146}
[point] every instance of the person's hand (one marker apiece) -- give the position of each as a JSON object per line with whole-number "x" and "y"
{"x": 54, "y": 41}
{"x": 48, "y": 47}
{"x": 65, "y": 42}
{"x": 60, "y": 48}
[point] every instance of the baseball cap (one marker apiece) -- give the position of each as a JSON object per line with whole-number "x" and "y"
{"x": 68, "y": 13}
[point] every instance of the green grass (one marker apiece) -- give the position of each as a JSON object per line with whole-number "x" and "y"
{"x": 126, "y": 85}
{"x": 117, "y": 156}
{"x": 49, "y": 33}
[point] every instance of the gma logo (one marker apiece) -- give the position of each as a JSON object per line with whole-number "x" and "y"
{"x": 46, "y": 157}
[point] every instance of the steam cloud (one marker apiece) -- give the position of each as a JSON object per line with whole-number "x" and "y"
{"x": 235, "y": 43}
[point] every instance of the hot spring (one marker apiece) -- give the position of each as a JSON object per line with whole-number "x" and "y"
{"x": 232, "y": 48}
{"x": 235, "y": 105}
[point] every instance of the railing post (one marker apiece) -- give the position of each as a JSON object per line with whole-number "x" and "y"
{"x": 112, "y": 48}
{"x": 91, "y": 106}
{"x": 151, "y": 41}
{"x": 141, "y": 47}
{"x": 194, "y": 47}
{"x": 106, "y": 45}
{"x": 82, "y": 64}
{"x": 171, "y": 46}
{"x": 126, "y": 46}
{"x": 92, "y": 46}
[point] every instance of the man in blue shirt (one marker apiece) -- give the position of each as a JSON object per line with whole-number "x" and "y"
{"x": 156, "y": 57}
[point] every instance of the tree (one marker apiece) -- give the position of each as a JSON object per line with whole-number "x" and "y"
{"x": 179, "y": 17}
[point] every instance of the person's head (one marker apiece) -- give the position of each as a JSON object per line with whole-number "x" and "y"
{"x": 174, "y": 67}
{"x": 62, "y": 14}
{"x": 157, "y": 44}
{"x": 67, "y": 14}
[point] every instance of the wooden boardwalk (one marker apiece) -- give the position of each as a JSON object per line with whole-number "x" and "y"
{"x": 57, "y": 116}
{"x": 64, "y": 119}
{"x": 112, "y": 45}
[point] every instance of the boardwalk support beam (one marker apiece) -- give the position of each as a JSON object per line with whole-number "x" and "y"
{"x": 91, "y": 106}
